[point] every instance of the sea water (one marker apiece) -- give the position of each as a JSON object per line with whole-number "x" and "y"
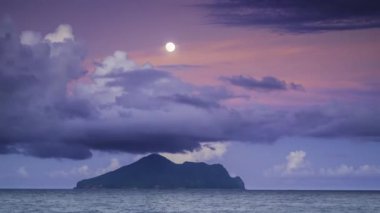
{"x": 120, "y": 200}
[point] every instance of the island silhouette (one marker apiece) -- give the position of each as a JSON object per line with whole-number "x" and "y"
{"x": 157, "y": 172}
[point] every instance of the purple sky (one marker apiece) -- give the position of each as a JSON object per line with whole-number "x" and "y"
{"x": 285, "y": 95}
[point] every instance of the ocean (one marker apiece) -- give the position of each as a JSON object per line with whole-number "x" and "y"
{"x": 118, "y": 200}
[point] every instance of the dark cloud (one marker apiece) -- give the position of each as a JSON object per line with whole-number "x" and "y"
{"x": 297, "y": 15}
{"x": 51, "y": 108}
{"x": 359, "y": 121}
{"x": 51, "y": 149}
{"x": 142, "y": 142}
{"x": 124, "y": 107}
{"x": 193, "y": 100}
{"x": 266, "y": 84}
{"x": 135, "y": 79}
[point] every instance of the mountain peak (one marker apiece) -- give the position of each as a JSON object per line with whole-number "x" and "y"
{"x": 154, "y": 158}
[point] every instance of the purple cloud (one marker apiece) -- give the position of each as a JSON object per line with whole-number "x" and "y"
{"x": 297, "y": 15}
{"x": 266, "y": 84}
{"x": 125, "y": 107}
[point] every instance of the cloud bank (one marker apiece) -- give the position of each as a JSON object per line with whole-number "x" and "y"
{"x": 52, "y": 107}
{"x": 266, "y": 84}
{"x": 206, "y": 152}
{"x": 297, "y": 15}
{"x": 85, "y": 170}
{"x": 297, "y": 166}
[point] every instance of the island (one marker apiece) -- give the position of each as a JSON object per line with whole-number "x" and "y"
{"x": 157, "y": 172}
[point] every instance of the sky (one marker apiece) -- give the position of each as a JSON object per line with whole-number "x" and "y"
{"x": 284, "y": 94}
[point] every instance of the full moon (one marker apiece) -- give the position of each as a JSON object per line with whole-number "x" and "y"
{"x": 170, "y": 47}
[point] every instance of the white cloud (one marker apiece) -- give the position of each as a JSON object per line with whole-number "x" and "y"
{"x": 23, "y": 172}
{"x": 30, "y": 38}
{"x": 81, "y": 171}
{"x": 113, "y": 165}
{"x": 368, "y": 170}
{"x": 62, "y": 33}
{"x": 119, "y": 61}
{"x": 297, "y": 166}
{"x": 296, "y": 160}
{"x": 208, "y": 151}
{"x": 86, "y": 171}
{"x": 345, "y": 170}
{"x": 99, "y": 91}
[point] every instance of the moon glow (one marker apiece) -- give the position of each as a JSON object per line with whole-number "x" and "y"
{"x": 170, "y": 47}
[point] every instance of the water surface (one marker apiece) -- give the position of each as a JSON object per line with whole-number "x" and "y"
{"x": 188, "y": 201}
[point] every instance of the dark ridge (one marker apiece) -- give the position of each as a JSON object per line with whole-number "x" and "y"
{"x": 156, "y": 171}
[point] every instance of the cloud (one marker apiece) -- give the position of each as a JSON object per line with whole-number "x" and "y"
{"x": 82, "y": 171}
{"x": 193, "y": 100}
{"x": 357, "y": 120}
{"x": 47, "y": 110}
{"x": 30, "y": 38}
{"x": 62, "y": 33}
{"x": 85, "y": 170}
{"x": 118, "y": 61}
{"x": 207, "y": 151}
{"x": 33, "y": 85}
{"x": 266, "y": 84}
{"x": 298, "y": 166}
{"x": 114, "y": 164}
{"x": 297, "y": 15}
{"x": 295, "y": 160}
{"x": 350, "y": 171}
{"x": 23, "y": 172}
